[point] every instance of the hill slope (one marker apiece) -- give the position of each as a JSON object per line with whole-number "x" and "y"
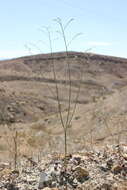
{"x": 28, "y": 101}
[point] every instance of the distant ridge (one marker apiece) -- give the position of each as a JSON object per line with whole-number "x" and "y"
{"x": 71, "y": 54}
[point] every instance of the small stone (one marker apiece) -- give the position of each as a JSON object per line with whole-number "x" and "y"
{"x": 5, "y": 171}
{"x": 45, "y": 180}
{"x": 81, "y": 174}
{"x": 116, "y": 169}
{"x": 104, "y": 168}
{"x": 78, "y": 160}
{"x": 124, "y": 156}
{"x": 11, "y": 186}
{"x": 124, "y": 149}
{"x": 110, "y": 163}
{"x": 106, "y": 186}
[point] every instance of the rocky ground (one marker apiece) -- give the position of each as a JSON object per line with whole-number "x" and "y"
{"x": 98, "y": 169}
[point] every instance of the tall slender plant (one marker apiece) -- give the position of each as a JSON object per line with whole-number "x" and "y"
{"x": 65, "y": 120}
{"x": 65, "y": 123}
{"x": 69, "y": 116}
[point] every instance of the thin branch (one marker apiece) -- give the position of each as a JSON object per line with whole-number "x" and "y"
{"x": 73, "y": 38}
{"x": 58, "y": 20}
{"x": 76, "y": 100}
{"x": 55, "y": 78}
{"x": 68, "y": 23}
{"x": 35, "y": 46}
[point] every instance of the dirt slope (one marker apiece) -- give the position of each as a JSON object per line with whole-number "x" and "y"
{"x": 28, "y": 101}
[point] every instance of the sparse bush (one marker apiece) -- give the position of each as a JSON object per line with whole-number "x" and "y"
{"x": 69, "y": 107}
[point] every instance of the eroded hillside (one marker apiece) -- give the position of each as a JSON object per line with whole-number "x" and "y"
{"x": 28, "y": 100}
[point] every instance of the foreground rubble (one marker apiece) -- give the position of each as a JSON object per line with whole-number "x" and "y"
{"x": 94, "y": 170}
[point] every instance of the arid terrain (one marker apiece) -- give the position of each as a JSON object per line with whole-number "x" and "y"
{"x": 28, "y": 102}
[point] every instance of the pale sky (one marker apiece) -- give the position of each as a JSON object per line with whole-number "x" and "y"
{"x": 101, "y": 22}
